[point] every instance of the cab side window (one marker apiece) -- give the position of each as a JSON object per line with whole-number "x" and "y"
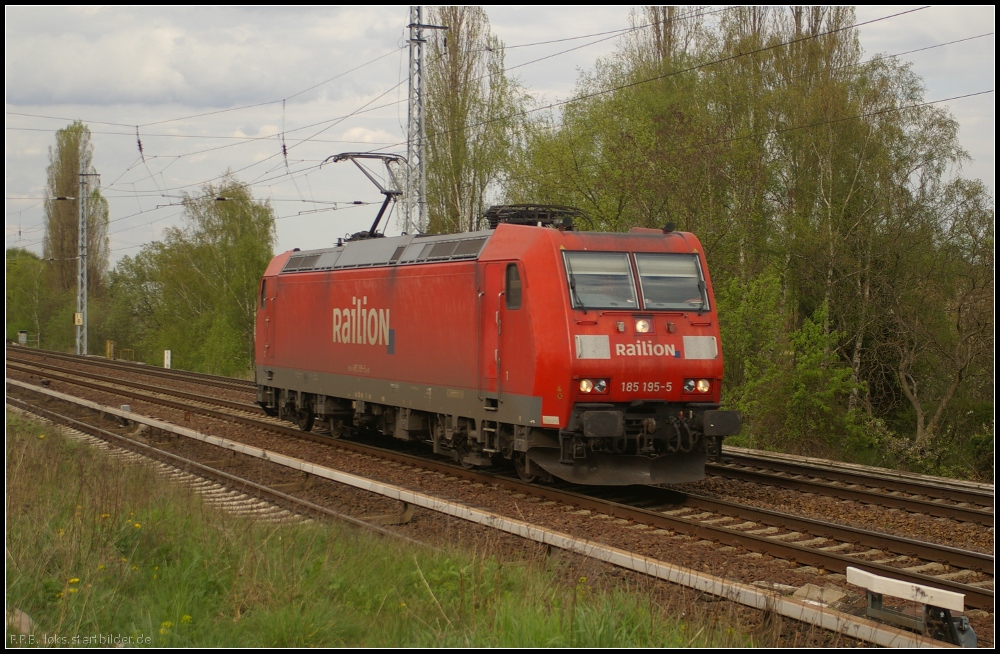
{"x": 513, "y": 293}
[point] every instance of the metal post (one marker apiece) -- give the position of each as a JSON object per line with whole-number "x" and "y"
{"x": 86, "y": 241}
{"x": 81, "y": 266}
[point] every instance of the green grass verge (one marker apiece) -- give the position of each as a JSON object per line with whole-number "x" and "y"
{"x": 97, "y": 548}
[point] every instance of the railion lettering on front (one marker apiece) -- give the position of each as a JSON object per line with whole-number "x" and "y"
{"x": 645, "y": 349}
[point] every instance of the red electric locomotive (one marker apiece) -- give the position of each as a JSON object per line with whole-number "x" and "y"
{"x": 592, "y": 357}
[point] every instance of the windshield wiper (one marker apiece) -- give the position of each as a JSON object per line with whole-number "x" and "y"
{"x": 572, "y": 286}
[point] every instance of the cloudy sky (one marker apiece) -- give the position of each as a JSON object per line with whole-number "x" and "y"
{"x": 213, "y": 89}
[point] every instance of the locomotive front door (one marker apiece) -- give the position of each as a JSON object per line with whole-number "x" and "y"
{"x": 490, "y": 296}
{"x": 266, "y": 305}
{"x": 505, "y": 353}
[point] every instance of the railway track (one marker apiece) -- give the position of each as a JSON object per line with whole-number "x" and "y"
{"x": 100, "y": 382}
{"x": 963, "y": 502}
{"x": 28, "y": 355}
{"x": 822, "y": 546}
{"x": 971, "y": 503}
{"x": 235, "y": 494}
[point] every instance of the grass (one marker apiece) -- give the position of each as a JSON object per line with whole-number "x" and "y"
{"x": 97, "y": 548}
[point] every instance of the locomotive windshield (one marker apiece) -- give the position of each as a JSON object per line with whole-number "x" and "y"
{"x": 604, "y": 280}
{"x": 600, "y": 280}
{"x": 671, "y": 281}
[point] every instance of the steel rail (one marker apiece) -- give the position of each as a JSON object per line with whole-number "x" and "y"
{"x": 830, "y": 561}
{"x": 62, "y": 373}
{"x": 968, "y": 559}
{"x": 978, "y": 497}
{"x": 866, "y": 496}
{"x": 180, "y": 375}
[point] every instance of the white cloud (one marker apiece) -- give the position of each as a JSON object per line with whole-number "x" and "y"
{"x": 369, "y": 135}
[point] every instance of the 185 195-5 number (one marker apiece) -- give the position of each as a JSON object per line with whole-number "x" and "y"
{"x": 647, "y": 387}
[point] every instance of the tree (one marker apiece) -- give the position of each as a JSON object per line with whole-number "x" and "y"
{"x": 818, "y": 184}
{"x": 28, "y": 297}
{"x": 943, "y": 307}
{"x": 472, "y": 114}
{"x": 73, "y": 154}
{"x": 195, "y": 292}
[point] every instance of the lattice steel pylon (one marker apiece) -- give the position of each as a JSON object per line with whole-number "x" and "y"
{"x": 415, "y": 202}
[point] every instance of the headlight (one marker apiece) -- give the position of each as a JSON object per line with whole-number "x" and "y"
{"x": 697, "y": 385}
{"x": 594, "y": 386}
{"x": 643, "y": 325}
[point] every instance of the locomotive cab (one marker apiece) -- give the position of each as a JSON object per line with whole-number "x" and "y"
{"x": 645, "y": 372}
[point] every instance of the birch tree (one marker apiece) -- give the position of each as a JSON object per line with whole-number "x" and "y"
{"x": 473, "y": 113}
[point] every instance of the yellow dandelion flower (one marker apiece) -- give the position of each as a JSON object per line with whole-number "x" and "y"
{"x": 100, "y": 567}
{"x": 105, "y": 515}
{"x": 59, "y": 594}
{"x": 167, "y": 624}
{"x": 185, "y": 618}
{"x": 60, "y": 532}
{"x": 41, "y": 435}
{"x": 135, "y": 567}
{"x": 74, "y": 580}
{"x": 137, "y": 525}
{"x": 72, "y": 590}
{"x": 164, "y": 632}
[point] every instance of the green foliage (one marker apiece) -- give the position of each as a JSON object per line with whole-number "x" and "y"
{"x": 790, "y": 387}
{"x": 36, "y": 305}
{"x": 474, "y": 112}
{"x": 41, "y": 291}
{"x": 27, "y": 293}
{"x": 195, "y": 293}
{"x": 854, "y": 279}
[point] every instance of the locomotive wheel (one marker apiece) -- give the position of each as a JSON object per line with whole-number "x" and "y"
{"x": 336, "y": 427}
{"x": 304, "y": 419}
{"x": 463, "y": 453}
{"x": 521, "y": 466}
